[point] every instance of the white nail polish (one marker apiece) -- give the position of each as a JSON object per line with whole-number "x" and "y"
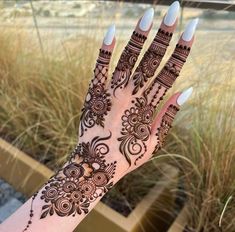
{"x": 184, "y": 96}
{"x": 146, "y": 20}
{"x": 172, "y": 14}
{"x": 189, "y": 30}
{"x": 108, "y": 39}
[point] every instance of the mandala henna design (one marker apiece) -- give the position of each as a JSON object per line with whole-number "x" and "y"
{"x": 98, "y": 101}
{"x": 82, "y": 181}
{"x": 86, "y": 177}
{"x": 165, "y": 126}
{"x": 171, "y": 70}
{"x": 127, "y": 61}
{"x": 136, "y": 124}
{"x": 151, "y": 59}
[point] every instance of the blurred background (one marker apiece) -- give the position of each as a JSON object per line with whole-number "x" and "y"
{"x": 48, "y": 51}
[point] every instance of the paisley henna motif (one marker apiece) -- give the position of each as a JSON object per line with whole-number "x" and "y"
{"x": 151, "y": 59}
{"x": 135, "y": 132}
{"x": 98, "y": 101}
{"x": 165, "y": 126}
{"x": 171, "y": 70}
{"x": 127, "y": 61}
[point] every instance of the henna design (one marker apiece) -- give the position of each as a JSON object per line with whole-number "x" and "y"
{"x": 74, "y": 187}
{"x": 82, "y": 181}
{"x": 136, "y": 125}
{"x": 165, "y": 126}
{"x": 97, "y": 102}
{"x": 171, "y": 70}
{"x": 127, "y": 61}
{"x": 151, "y": 59}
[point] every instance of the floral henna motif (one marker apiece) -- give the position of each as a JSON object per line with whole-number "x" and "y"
{"x": 151, "y": 59}
{"x": 82, "y": 181}
{"x": 127, "y": 61}
{"x": 98, "y": 101}
{"x": 165, "y": 126}
{"x": 135, "y": 132}
{"x": 171, "y": 70}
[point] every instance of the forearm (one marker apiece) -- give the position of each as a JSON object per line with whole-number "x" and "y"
{"x": 69, "y": 195}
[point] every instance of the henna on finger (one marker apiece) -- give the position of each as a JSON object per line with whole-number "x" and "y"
{"x": 167, "y": 76}
{"x": 98, "y": 100}
{"x": 127, "y": 61}
{"x": 153, "y": 57}
{"x": 129, "y": 56}
{"x": 165, "y": 126}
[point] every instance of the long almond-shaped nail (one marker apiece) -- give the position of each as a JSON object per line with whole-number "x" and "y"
{"x": 183, "y": 97}
{"x": 146, "y": 20}
{"x": 109, "y": 36}
{"x": 190, "y": 30}
{"x": 172, "y": 14}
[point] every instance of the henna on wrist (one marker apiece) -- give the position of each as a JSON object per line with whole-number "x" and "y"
{"x": 86, "y": 177}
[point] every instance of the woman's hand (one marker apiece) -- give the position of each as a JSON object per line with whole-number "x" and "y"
{"x": 118, "y": 130}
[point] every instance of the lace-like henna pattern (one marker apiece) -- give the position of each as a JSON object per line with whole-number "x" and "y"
{"x": 98, "y": 101}
{"x": 86, "y": 177}
{"x": 151, "y": 59}
{"x": 171, "y": 70}
{"x": 136, "y": 124}
{"x": 165, "y": 126}
{"x": 127, "y": 61}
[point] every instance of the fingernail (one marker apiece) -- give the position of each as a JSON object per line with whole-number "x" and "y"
{"x": 184, "y": 96}
{"x": 189, "y": 30}
{"x": 172, "y": 14}
{"x": 108, "y": 39}
{"x": 146, "y": 20}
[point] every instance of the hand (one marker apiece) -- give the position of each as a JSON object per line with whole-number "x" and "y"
{"x": 118, "y": 131}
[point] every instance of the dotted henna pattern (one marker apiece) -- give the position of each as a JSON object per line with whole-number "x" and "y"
{"x": 151, "y": 59}
{"x": 98, "y": 101}
{"x": 127, "y": 61}
{"x": 136, "y": 124}
{"x": 165, "y": 125}
{"x": 86, "y": 177}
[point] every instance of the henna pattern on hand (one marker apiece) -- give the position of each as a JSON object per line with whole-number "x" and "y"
{"x": 127, "y": 61}
{"x": 74, "y": 187}
{"x": 165, "y": 126}
{"x": 151, "y": 59}
{"x": 171, "y": 70}
{"x": 98, "y": 100}
{"x": 136, "y": 125}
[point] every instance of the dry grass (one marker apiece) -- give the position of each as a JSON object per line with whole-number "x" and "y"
{"x": 40, "y": 101}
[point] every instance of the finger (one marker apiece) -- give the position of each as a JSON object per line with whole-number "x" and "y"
{"x": 131, "y": 52}
{"x": 153, "y": 56}
{"x": 171, "y": 70}
{"x": 102, "y": 63}
{"x": 163, "y": 121}
{"x": 98, "y": 100}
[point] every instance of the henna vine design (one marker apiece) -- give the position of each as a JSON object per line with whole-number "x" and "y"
{"x": 136, "y": 131}
{"x": 165, "y": 126}
{"x": 98, "y": 101}
{"x": 86, "y": 177}
{"x": 151, "y": 59}
{"x": 127, "y": 61}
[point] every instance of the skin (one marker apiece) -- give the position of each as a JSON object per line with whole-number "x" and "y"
{"x": 109, "y": 127}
